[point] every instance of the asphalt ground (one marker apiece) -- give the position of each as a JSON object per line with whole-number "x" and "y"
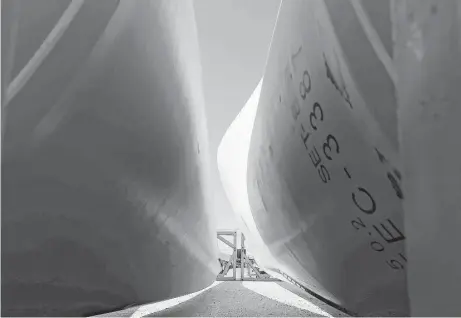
{"x": 238, "y": 299}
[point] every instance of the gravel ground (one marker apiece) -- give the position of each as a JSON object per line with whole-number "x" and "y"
{"x": 233, "y": 299}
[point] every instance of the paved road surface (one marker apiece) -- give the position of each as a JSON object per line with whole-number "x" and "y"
{"x": 240, "y": 299}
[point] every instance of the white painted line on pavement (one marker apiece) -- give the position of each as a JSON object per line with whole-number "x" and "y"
{"x": 159, "y": 306}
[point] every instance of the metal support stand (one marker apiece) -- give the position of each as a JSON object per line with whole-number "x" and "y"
{"x": 233, "y": 259}
{"x": 239, "y": 258}
{"x": 254, "y": 273}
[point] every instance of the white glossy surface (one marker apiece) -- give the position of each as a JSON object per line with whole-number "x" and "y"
{"x": 305, "y": 209}
{"x": 232, "y": 164}
{"x": 428, "y": 59}
{"x": 104, "y": 184}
